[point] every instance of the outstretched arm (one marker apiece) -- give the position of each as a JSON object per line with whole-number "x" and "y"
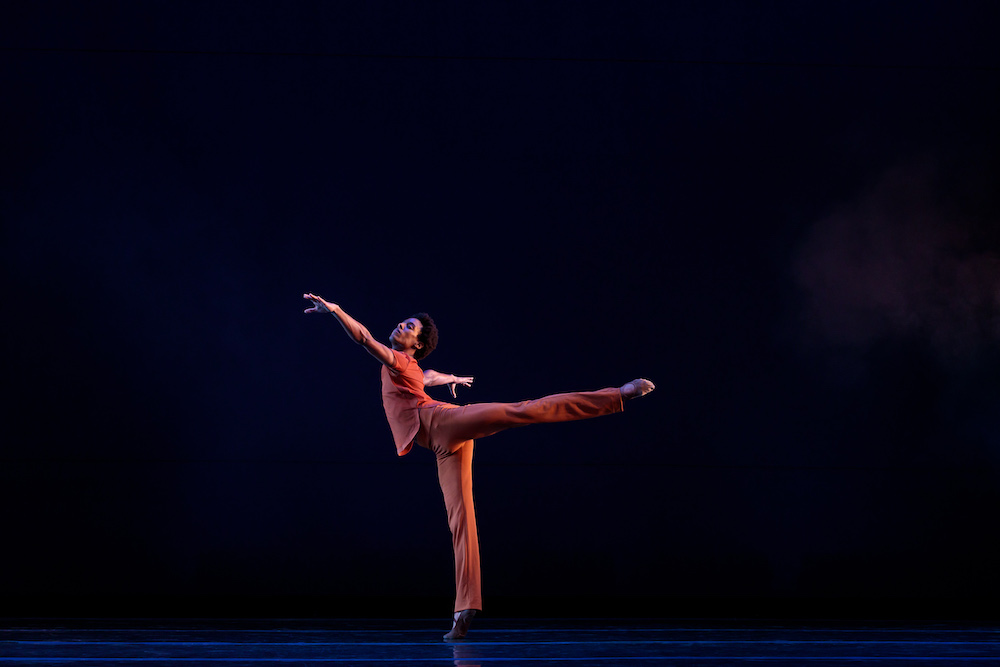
{"x": 433, "y": 379}
{"x": 358, "y": 332}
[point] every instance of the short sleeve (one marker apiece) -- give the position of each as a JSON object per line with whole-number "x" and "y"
{"x": 400, "y": 362}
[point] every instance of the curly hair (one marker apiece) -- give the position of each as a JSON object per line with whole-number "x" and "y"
{"x": 428, "y": 335}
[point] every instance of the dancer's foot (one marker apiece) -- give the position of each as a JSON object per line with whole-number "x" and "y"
{"x": 463, "y": 619}
{"x": 636, "y": 388}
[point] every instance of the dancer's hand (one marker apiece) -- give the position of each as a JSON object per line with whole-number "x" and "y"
{"x": 465, "y": 382}
{"x": 320, "y": 305}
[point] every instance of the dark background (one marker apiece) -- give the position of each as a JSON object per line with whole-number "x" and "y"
{"x": 783, "y": 213}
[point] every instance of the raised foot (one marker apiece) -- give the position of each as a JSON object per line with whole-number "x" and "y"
{"x": 463, "y": 619}
{"x": 637, "y": 388}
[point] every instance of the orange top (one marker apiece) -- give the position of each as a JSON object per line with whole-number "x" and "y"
{"x": 402, "y": 393}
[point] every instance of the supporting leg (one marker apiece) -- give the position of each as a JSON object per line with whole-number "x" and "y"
{"x": 455, "y": 477}
{"x": 449, "y": 431}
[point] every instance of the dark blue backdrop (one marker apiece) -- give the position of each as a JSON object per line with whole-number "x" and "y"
{"x": 784, "y": 214}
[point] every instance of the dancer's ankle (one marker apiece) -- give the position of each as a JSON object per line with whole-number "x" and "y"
{"x": 460, "y": 624}
{"x": 636, "y": 388}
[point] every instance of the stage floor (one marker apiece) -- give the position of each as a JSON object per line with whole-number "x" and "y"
{"x": 494, "y": 641}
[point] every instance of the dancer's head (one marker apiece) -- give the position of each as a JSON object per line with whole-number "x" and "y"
{"x": 427, "y": 336}
{"x": 417, "y": 333}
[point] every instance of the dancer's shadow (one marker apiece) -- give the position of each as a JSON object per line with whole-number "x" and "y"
{"x": 467, "y": 655}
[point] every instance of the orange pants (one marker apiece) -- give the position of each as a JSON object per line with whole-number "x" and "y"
{"x": 449, "y": 431}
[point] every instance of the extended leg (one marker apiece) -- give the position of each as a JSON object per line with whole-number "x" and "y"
{"x": 449, "y": 430}
{"x": 451, "y": 425}
{"x": 455, "y": 477}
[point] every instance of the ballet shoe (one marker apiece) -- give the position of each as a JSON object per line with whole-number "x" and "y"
{"x": 463, "y": 620}
{"x": 636, "y": 388}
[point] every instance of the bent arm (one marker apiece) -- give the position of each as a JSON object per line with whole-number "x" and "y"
{"x": 433, "y": 379}
{"x": 358, "y": 332}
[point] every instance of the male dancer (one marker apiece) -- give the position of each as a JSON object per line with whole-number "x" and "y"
{"x": 449, "y": 430}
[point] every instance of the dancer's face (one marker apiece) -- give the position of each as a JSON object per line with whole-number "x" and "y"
{"x": 406, "y": 334}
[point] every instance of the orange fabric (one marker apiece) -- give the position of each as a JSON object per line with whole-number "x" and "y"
{"x": 450, "y": 431}
{"x": 402, "y": 393}
{"x": 455, "y": 478}
{"x": 448, "y": 426}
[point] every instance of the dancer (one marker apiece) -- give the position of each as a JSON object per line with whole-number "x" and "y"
{"x": 450, "y": 430}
